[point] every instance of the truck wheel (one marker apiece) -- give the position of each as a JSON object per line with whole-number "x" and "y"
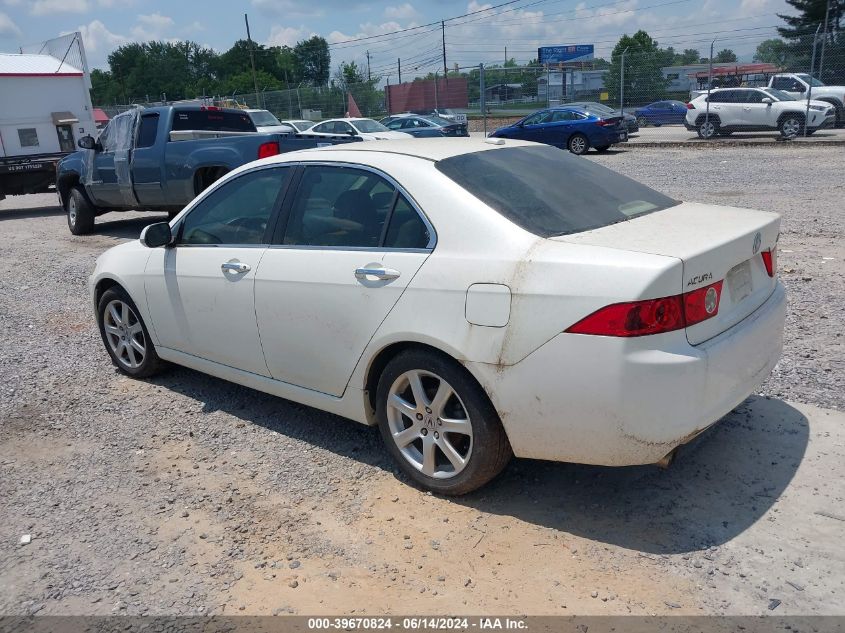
{"x": 80, "y": 214}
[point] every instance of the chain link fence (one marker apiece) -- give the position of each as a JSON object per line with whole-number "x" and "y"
{"x": 650, "y": 89}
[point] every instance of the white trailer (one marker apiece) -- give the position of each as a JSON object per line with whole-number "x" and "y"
{"x": 45, "y": 107}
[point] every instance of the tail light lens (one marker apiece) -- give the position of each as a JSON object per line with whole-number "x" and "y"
{"x": 690, "y": 106}
{"x": 268, "y": 149}
{"x": 770, "y": 259}
{"x": 606, "y": 122}
{"x": 652, "y": 316}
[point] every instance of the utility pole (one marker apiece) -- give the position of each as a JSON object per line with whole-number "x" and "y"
{"x": 443, "y": 33}
{"x": 506, "y": 55}
{"x": 399, "y": 68}
{"x": 824, "y": 40}
{"x": 368, "y": 66}
{"x": 251, "y": 56}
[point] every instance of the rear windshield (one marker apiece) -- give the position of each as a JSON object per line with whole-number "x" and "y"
{"x": 216, "y": 120}
{"x": 550, "y": 192}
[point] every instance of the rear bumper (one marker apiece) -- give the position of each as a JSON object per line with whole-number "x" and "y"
{"x": 617, "y": 402}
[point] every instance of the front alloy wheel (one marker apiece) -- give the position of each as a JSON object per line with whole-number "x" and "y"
{"x": 124, "y": 334}
{"x": 429, "y": 424}
{"x": 791, "y": 127}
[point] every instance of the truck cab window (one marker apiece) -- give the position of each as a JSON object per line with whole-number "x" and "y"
{"x": 147, "y": 131}
{"x": 28, "y": 136}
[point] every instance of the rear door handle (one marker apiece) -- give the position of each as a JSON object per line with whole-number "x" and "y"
{"x": 237, "y": 267}
{"x": 379, "y": 273}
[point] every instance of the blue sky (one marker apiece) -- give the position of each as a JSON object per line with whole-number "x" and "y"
{"x": 521, "y": 26}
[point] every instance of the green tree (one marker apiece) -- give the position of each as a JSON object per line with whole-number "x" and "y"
{"x": 800, "y": 31}
{"x": 688, "y": 57}
{"x": 644, "y": 80}
{"x": 313, "y": 57}
{"x": 774, "y": 51}
{"x": 348, "y": 74}
{"x": 725, "y": 56}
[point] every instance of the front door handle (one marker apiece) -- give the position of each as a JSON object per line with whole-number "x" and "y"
{"x": 379, "y": 273}
{"x": 237, "y": 267}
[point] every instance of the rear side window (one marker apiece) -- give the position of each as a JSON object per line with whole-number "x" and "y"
{"x": 147, "y": 130}
{"x": 550, "y": 192}
{"x": 216, "y": 120}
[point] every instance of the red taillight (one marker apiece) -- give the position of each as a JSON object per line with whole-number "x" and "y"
{"x": 690, "y": 106}
{"x": 268, "y": 149}
{"x": 652, "y": 316}
{"x": 702, "y": 303}
{"x": 210, "y": 108}
{"x": 770, "y": 259}
{"x": 605, "y": 122}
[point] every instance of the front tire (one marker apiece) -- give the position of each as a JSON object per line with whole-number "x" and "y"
{"x": 438, "y": 424}
{"x": 578, "y": 144}
{"x": 642, "y": 121}
{"x": 791, "y": 126}
{"x": 125, "y": 336}
{"x": 80, "y": 213}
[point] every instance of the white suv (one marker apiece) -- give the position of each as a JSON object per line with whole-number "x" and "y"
{"x": 755, "y": 110}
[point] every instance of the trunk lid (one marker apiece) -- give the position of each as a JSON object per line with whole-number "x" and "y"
{"x": 714, "y": 243}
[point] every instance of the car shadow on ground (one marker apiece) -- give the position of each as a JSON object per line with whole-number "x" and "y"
{"x": 31, "y": 212}
{"x": 129, "y": 228}
{"x": 719, "y": 485}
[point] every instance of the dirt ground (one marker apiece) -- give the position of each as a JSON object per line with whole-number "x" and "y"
{"x": 188, "y": 495}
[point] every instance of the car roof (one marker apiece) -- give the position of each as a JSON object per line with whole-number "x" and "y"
{"x": 433, "y": 149}
{"x": 349, "y": 119}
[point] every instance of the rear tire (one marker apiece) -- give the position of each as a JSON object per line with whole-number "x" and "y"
{"x": 708, "y": 129}
{"x": 125, "y": 336}
{"x": 578, "y": 144}
{"x": 80, "y": 213}
{"x": 420, "y": 395}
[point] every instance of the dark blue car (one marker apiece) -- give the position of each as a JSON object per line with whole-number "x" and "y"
{"x": 661, "y": 113}
{"x": 569, "y": 128}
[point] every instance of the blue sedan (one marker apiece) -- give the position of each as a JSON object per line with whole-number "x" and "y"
{"x": 571, "y": 128}
{"x": 661, "y": 112}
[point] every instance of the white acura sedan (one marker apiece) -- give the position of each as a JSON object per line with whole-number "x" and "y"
{"x": 474, "y": 299}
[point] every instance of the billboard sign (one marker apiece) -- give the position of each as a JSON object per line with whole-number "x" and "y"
{"x": 563, "y": 54}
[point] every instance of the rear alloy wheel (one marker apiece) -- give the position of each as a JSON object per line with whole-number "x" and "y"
{"x": 438, "y": 424}
{"x": 125, "y": 336}
{"x": 708, "y": 129}
{"x": 578, "y": 144}
{"x": 791, "y": 126}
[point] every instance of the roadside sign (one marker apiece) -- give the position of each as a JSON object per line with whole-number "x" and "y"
{"x": 569, "y": 53}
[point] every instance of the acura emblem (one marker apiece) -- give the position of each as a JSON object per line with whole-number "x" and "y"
{"x": 757, "y": 240}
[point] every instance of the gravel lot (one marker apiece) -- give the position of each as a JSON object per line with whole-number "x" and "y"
{"x": 189, "y": 495}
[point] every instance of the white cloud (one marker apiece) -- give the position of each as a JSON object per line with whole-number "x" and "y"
{"x": 110, "y": 4}
{"x": 47, "y": 7}
{"x": 8, "y": 29}
{"x": 286, "y": 36}
{"x": 153, "y": 27}
{"x": 98, "y": 39}
{"x": 402, "y": 12}
{"x": 12, "y": 3}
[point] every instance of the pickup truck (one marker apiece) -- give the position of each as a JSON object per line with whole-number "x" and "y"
{"x": 797, "y": 84}
{"x": 159, "y": 159}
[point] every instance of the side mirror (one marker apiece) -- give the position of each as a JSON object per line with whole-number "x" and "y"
{"x": 352, "y": 133}
{"x": 768, "y": 100}
{"x": 156, "y": 235}
{"x": 87, "y": 142}
{"x": 799, "y": 88}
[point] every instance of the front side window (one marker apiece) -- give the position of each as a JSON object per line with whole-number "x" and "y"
{"x": 538, "y": 117}
{"x": 755, "y": 96}
{"x": 395, "y": 124}
{"x": 549, "y": 192}
{"x": 238, "y": 211}
{"x": 28, "y": 137}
